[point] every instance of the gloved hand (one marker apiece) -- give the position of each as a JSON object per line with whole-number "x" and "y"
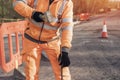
{"x": 37, "y": 16}
{"x": 50, "y": 1}
{"x": 64, "y": 60}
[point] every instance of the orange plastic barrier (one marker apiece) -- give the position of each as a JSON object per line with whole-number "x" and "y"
{"x": 10, "y": 34}
{"x": 84, "y": 16}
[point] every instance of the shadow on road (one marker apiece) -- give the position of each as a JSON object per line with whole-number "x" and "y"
{"x": 7, "y": 78}
{"x": 17, "y": 75}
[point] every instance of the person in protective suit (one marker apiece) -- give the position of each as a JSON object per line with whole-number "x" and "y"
{"x": 49, "y": 28}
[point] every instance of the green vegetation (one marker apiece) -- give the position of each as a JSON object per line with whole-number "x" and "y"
{"x": 7, "y": 13}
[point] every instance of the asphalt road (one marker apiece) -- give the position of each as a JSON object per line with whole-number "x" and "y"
{"x": 95, "y": 58}
{"x": 92, "y": 57}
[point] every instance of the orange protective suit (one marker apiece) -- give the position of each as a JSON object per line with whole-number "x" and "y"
{"x": 32, "y": 51}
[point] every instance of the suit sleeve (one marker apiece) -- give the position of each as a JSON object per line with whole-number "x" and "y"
{"x": 23, "y": 8}
{"x": 67, "y": 26}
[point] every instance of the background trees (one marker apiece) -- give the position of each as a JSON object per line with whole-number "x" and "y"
{"x": 91, "y": 6}
{"x": 6, "y": 9}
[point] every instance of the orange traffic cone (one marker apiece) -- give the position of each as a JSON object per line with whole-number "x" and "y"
{"x": 104, "y": 31}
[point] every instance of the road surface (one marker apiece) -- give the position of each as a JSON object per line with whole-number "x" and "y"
{"x": 92, "y": 57}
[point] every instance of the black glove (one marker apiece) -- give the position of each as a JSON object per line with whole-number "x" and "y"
{"x": 37, "y": 16}
{"x": 64, "y": 60}
{"x": 50, "y": 1}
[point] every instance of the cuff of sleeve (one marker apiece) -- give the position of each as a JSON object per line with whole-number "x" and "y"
{"x": 65, "y": 49}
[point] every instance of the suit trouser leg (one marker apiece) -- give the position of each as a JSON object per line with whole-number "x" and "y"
{"x": 54, "y": 63}
{"x": 53, "y": 51}
{"x": 66, "y": 73}
{"x": 32, "y": 61}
